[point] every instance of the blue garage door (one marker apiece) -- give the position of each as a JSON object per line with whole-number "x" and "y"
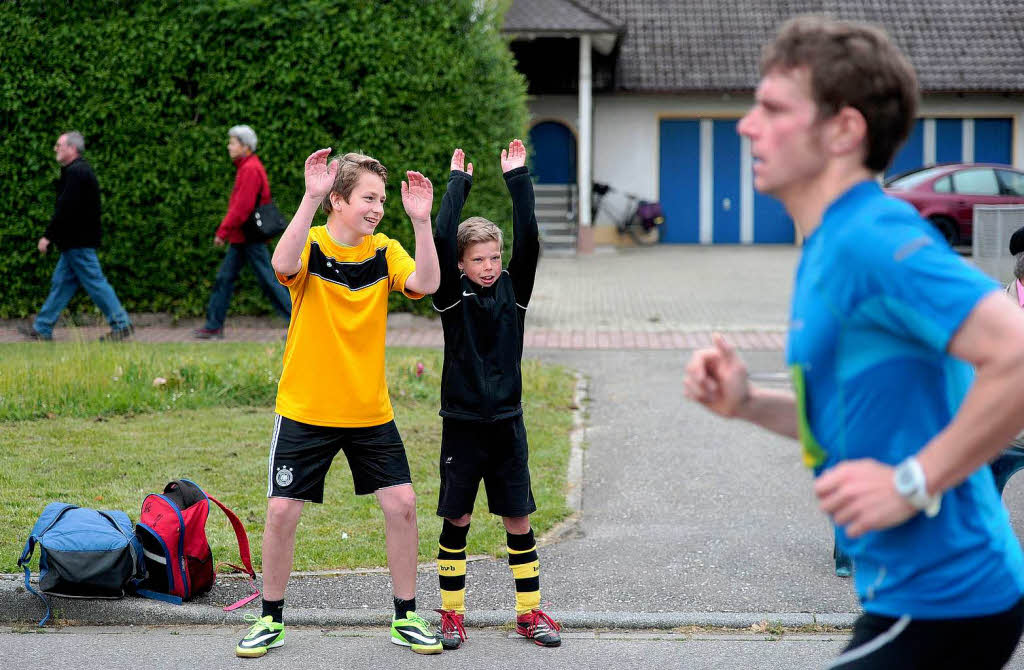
{"x": 554, "y": 153}
{"x": 965, "y": 140}
{"x": 993, "y": 141}
{"x": 720, "y": 207}
{"x": 911, "y": 154}
{"x": 949, "y": 135}
{"x": 679, "y": 192}
{"x": 726, "y": 165}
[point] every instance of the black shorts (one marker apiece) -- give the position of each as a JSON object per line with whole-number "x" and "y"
{"x": 978, "y": 643}
{"x": 495, "y": 452}
{"x": 301, "y": 455}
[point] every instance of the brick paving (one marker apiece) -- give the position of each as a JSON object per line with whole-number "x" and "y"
{"x": 667, "y": 297}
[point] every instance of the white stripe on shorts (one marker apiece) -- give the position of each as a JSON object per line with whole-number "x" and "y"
{"x": 873, "y": 645}
{"x": 273, "y": 448}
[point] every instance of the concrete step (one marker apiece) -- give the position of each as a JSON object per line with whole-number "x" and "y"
{"x": 549, "y": 240}
{"x": 552, "y": 200}
{"x": 559, "y": 251}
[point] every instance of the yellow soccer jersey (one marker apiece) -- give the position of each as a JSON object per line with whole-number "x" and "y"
{"x": 334, "y": 357}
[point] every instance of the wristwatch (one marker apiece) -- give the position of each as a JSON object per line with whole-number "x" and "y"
{"x": 910, "y": 483}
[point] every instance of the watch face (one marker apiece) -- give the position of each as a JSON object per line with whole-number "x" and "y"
{"x": 904, "y": 480}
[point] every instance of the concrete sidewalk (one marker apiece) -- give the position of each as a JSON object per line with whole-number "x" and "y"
{"x": 668, "y": 297}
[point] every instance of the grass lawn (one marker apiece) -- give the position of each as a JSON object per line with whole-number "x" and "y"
{"x": 84, "y": 423}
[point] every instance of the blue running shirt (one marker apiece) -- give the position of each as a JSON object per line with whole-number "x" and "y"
{"x": 877, "y": 298}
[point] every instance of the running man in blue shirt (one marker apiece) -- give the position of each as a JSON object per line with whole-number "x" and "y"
{"x": 906, "y": 361}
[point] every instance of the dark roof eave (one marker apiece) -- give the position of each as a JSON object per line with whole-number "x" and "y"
{"x": 559, "y": 32}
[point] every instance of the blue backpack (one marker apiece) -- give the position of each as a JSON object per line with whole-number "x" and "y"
{"x": 83, "y": 553}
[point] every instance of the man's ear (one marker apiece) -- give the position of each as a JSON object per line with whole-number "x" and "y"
{"x": 848, "y": 132}
{"x": 337, "y": 201}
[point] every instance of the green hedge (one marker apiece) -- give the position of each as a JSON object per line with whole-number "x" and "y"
{"x": 154, "y": 86}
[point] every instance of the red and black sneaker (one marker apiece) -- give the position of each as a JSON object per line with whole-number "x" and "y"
{"x": 451, "y": 631}
{"x": 539, "y": 627}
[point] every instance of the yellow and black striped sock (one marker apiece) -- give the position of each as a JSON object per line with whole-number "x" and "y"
{"x": 522, "y": 559}
{"x": 451, "y": 566}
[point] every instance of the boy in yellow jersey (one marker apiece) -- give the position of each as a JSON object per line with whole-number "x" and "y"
{"x": 483, "y": 310}
{"x": 332, "y": 395}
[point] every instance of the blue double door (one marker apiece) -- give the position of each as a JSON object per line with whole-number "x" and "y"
{"x": 706, "y": 187}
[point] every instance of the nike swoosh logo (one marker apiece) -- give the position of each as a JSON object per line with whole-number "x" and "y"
{"x": 467, "y": 293}
{"x": 408, "y": 632}
{"x": 256, "y": 640}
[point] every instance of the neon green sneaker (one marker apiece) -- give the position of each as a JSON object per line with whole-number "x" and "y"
{"x": 264, "y": 634}
{"x": 413, "y": 631}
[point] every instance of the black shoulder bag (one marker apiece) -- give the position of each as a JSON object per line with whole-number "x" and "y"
{"x": 265, "y": 223}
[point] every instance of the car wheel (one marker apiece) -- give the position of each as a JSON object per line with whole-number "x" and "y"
{"x": 947, "y": 227}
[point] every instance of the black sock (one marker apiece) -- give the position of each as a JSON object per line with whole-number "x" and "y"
{"x": 275, "y": 608}
{"x": 403, "y": 607}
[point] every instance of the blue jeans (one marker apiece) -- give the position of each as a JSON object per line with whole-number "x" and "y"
{"x": 79, "y": 267}
{"x": 224, "y": 286}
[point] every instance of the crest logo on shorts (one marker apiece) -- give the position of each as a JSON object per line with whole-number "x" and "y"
{"x": 284, "y": 476}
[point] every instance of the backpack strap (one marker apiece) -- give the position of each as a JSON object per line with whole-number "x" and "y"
{"x": 243, "y": 551}
{"x": 26, "y": 558}
{"x": 155, "y": 595}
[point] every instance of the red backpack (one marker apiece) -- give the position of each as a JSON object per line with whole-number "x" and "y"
{"x": 179, "y": 563}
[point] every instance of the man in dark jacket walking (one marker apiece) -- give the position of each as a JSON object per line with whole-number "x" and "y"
{"x": 252, "y": 189}
{"x": 75, "y": 229}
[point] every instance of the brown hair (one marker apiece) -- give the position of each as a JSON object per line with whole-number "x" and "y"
{"x": 476, "y": 229}
{"x": 851, "y": 65}
{"x": 350, "y": 167}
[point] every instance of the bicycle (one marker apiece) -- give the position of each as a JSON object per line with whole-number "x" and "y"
{"x": 641, "y": 219}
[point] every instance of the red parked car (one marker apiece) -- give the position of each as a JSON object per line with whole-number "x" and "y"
{"x": 946, "y": 194}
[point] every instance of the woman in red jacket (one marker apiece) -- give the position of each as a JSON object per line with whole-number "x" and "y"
{"x": 252, "y": 188}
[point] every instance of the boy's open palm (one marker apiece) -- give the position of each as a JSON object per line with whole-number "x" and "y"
{"x": 319, "y": 175}
{"x": 513, "y": 157}
{"x": 417, "y": 197}
{"x": 459, "y": 162}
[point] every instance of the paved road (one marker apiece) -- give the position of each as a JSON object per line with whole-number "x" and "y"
{"x": 211, "y": 648}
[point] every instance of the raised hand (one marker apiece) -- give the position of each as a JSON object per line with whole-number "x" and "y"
{"x": 458, "y": 161}
{"x": 418, "y": 197}
{"x": 319, "y": 174}
{"x": 513, "y": 157}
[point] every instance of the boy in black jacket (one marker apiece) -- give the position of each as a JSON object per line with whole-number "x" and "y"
{"x": 483, "y": 310}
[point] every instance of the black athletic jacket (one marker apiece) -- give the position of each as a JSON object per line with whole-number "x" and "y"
{"x": 483, "y": 327}
{"x": 76, "y": 217}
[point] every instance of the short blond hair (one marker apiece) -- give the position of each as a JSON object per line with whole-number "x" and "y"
{"x": 350, "y": 167}
{"x": 476, "y": 229}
